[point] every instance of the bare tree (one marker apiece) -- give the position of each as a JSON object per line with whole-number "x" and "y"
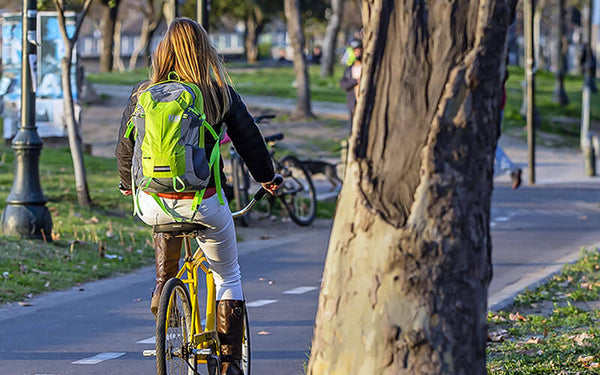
{"x": 409, "y": 263}
{"x": 110, "y": 9}
{"x": 152, "y": 10}
{"x": 83, "y": 195}
{"x": 294, "y": 26}
{"x": 329, "y": 42}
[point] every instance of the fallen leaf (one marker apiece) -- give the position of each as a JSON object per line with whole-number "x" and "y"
{"x": 516, "y": 316}
{"x": 533, "y": 340}
{"x": 580, "y": 339}
{"x": 47, "y": 284}
{"x": 137, "y": 300}
{"x": 271, "y": 282}
{"x": 265, "y": 237}
{"x": 261, "y": 279}
{"x": 585, "y": 358}
{"x": 23, "y": 303}
{"x": 264, "y": 333}
{"x": 594, "y": 365}
{"x": 30, "y": 295}
{"x": 564, "y": 283}
{"x": 582, "y": 218}
{"x": 498, "y": 336}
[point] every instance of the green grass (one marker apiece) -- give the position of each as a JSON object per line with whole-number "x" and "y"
{"x": 561, "y": 121}
{"x": 90, "y": 243}
{"x": 260, "y": 81}
{"x": 554, "y": 329}
{"x": 554, "y": 119}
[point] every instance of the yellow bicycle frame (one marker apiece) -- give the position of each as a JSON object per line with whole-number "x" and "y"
{"x": 206, "y": 337}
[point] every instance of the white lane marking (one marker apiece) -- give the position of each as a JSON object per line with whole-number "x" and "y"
{"x": 98, "y": 358}
{"x": 152, "y": 340}
{"x": 300, "y": 290}
{"x": 261, "y": 302}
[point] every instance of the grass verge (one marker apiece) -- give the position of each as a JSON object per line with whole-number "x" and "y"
{"x": 554, "y": 329}
{"x": 89, "y": 243}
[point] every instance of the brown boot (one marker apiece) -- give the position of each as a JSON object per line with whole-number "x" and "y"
{"x": 167, "y": 250}
{"x": 230, "y": 323}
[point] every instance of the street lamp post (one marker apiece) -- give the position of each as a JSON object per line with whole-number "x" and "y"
{"x": 26, "y": 213}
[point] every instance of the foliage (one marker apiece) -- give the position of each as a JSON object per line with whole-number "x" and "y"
{"x": 89, "y": 243}
{"x": 550, "y": 330}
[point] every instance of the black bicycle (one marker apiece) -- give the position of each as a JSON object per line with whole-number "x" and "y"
{"x": 297, "y": 195}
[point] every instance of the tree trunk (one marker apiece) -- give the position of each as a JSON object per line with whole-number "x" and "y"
{"x": 254, "y": 25}
{"x": 559, "y": 94}
{"x": 329, "y": 42}
{"x": 109, "y": 18}
{"x": 117, "y": 61}
{"x": 294, "y": 26}
{"x": 405, "y": 285}
{"x": 75, "y": 142}
{"x": 537, "y": 30}
{"x": 152, "y": 15}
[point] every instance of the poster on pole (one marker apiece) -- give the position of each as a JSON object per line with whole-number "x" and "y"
{"x": 49, "y": 94}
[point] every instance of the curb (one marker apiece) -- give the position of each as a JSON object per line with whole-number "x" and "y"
{"x": 505, "y": 297}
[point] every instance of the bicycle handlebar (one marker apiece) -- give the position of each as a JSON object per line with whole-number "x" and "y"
{"x": 274, "y": 137}
{"x": 259, "y": 119}
{"x": 257, "y": 197}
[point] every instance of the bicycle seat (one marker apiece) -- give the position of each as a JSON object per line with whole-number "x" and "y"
{"x": 274, "y": 137}
{"x": 178, "y": 228}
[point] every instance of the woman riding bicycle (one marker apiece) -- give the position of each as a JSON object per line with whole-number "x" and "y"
{"x": 186, "y": 50}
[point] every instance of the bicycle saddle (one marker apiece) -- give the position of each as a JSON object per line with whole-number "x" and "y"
{"x": 177, "y": 228}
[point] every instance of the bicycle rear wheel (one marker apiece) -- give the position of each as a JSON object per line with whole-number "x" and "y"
{"x": 173, "y": 331}
{"x": 298, "y": 194}
{"x": 246, "y": 345}
{"x": 241, "y": 185}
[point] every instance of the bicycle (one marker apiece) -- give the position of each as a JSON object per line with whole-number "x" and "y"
{"x": 298, "y": 194}
{"x": 183, "y": 340}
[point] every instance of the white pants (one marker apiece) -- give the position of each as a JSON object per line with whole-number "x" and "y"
{"x": 218, "y": 241}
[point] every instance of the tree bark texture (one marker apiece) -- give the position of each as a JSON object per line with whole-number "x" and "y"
{"x": 405, "y": 285}
{"x": 329, "y": 42}
{"x": 559, "y": 95}
{"x": 294, "y": 26}
{"x": 75, "y": 142}
{"x": 255, "y": 23}
{"x": 109, "y": 19}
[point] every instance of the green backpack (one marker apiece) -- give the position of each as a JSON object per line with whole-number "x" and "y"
{"x": 169, "y": 154}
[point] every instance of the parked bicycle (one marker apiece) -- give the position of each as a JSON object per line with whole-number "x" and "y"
{"x": 298, "y": 195}
{"x": 183, "y": 339}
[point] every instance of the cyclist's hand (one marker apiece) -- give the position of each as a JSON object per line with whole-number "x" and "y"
{"x": 124, "y": 190}
{"x": 274, "y": 185}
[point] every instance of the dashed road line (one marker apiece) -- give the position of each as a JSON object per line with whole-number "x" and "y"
{"x": 300, "y": 290}
{"x": 260, "y": 302}
{"x": 98, "y": 358}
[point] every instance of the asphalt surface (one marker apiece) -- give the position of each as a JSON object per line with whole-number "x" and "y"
{"x": 103, "y": 327}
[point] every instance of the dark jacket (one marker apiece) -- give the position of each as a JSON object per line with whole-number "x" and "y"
{"x": 242, "y": 130}
{"x": 348, "y": 83}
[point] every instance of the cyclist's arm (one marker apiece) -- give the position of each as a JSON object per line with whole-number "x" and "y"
{"x": 248, "y": 140}
{"x": 124, "y": 151}
{"x": 347, "y": 82}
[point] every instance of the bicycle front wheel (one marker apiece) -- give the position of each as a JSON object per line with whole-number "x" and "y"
{"x": 241, "y": 185}
{"x": 174, "y": 330}
{"x": 298, "y": 194}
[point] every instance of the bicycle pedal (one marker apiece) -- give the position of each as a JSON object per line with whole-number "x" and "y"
{"x": 149, "y": 353}
{"x": 206, "y": 351}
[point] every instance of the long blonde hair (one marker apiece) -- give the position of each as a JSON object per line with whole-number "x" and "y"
{"x": 186, "y": 50}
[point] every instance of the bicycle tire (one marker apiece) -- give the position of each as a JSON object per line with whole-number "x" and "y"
{"x": 241, "y": 185}
{"x": 246, "y": 353}
{"x": 174, "y": 314}
{"x": 298, "y": 194}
